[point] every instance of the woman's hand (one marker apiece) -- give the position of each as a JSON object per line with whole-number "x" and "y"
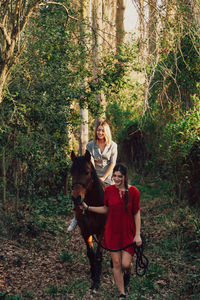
{"x": 102, "y": 178}
{"x": 138, "y": 240}
{"x": 83, "y": 206}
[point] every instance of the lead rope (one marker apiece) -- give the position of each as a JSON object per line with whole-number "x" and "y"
{"x": 142, "y": 261}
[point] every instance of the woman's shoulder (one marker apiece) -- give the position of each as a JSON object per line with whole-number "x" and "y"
{"x": 133, "y": 189}
{"x": 90, "y": 144}
{"x": 110, "y": 187}
{"x": 113, "y": 144}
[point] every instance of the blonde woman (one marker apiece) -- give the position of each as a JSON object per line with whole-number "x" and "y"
{"x": 103, "y": 151}
{"x": 103, "y": 156}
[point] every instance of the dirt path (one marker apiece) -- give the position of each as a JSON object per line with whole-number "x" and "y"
{"x": 36, "y": 271}
{"x": 53, "y": 266}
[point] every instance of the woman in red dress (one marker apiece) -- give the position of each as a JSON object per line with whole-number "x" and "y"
{"x": 122, "y": 203}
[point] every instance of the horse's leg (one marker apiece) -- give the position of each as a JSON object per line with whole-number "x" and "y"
{"x": 90, "y": 250}
{"x": 98, "y": 268}
{"x": 91, "y": 256}
{"x": 95, "y": 264}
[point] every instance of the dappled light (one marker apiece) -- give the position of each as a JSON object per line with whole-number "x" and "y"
{"x": 64, "y": 66}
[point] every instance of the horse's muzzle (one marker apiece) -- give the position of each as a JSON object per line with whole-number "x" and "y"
{"x": 77, "y": 201}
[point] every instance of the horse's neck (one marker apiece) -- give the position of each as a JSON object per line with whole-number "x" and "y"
{"x": 94, "y": 195}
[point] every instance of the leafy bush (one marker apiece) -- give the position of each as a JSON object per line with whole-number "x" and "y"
{"x": 66, "y": 256}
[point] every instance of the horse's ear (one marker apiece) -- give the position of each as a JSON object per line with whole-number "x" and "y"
{"x": 87, "y": 156}
{"x": 73, "y": 156}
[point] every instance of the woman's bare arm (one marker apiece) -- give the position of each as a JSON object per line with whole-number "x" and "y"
{"x": 137, "y": 237}
{"x": 97, "y": 209}
{"x": 108, "y": 172}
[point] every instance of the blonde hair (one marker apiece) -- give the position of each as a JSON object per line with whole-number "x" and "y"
{"x": 108, "y": 135}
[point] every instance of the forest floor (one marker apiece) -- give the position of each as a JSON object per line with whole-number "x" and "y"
{"x": 54, "y": 265}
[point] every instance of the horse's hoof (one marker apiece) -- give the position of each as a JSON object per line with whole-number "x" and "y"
{"x": 95, "y": 287}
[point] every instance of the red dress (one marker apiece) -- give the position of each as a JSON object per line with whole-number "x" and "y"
{"x": 120, "y": 225}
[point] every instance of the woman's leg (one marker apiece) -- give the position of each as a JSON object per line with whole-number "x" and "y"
{"x": 117, "y": 271}
{"x": 126, "y": 260}
{"x": 126, "y": 265}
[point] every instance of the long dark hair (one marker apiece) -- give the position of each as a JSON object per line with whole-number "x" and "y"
{"x": 124, "y": 171}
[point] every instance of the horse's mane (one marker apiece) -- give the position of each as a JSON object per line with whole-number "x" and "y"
{"x": 98, "y": 183}
{"x": 78, "y": 165}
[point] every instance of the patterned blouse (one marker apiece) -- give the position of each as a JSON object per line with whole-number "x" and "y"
{"x": 102, "y": 160}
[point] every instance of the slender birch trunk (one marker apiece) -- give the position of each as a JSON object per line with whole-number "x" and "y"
{"x": 141, "y": 28}
{"x": 120, "y": 32}
{"x": 85, "y": 9}
{"x": 84, "y": 130}
{"x": 152, "y": 27}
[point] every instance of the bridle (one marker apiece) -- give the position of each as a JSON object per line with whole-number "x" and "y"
{"x": 78, "y": 201}
{"x": 85, "y": 185}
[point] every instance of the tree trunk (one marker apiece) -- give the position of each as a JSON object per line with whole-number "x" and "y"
{"x": 3, "y": 80}
{"x": 99, "y": 38}
{"x": 152, "y": 26}
{"x": 168, "y": 24}
{"x": 120, "y": 24}
{"x": 109, "y": 8}
{"x": 196, "y": 11}
{"x": 7, "y": 61}
{"x": 14, "y": 18}
{"x": 83, "y": 130}
{"x": 85, "y": 14}
{"x": 141, "y": 28}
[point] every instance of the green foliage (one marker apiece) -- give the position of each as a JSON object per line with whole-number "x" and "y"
{"x": 59, "y": 205}
{"x": 37, "y": 116}
{"x": 66, "y": 256}
{"x": 173, "y": 149}
{"x": 182, "y": 132}
{"x": 177, "y": 74}
{"x": 164, "y": 142}
{"x": 173, "y": 245}
{"x": 52, "y": 290}
{"x": 36, "y": 216}
{"x": 123, "y": 90}
{"x": 77, "y": 288}
{"x": 4, "y": 296}
{"x": 172, "y": 236}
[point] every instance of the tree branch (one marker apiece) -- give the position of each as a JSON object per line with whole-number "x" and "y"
{"x": 5, "y": 33}
{"x": 61, "y": 4}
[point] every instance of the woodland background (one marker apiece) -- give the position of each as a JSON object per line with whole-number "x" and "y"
{"x": 63, "y": 66}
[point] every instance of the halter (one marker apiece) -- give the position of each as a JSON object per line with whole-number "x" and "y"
{"x": 80, "y": 183}
{"x": 78, "y": 201}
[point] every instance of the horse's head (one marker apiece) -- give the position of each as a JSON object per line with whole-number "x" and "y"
{"x": 81, "y": 171}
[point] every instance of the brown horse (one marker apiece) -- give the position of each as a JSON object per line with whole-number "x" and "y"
{"x": 87, "y": 187}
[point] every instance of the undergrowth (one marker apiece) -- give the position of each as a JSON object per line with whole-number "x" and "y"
{"x": 172, "y": 233}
